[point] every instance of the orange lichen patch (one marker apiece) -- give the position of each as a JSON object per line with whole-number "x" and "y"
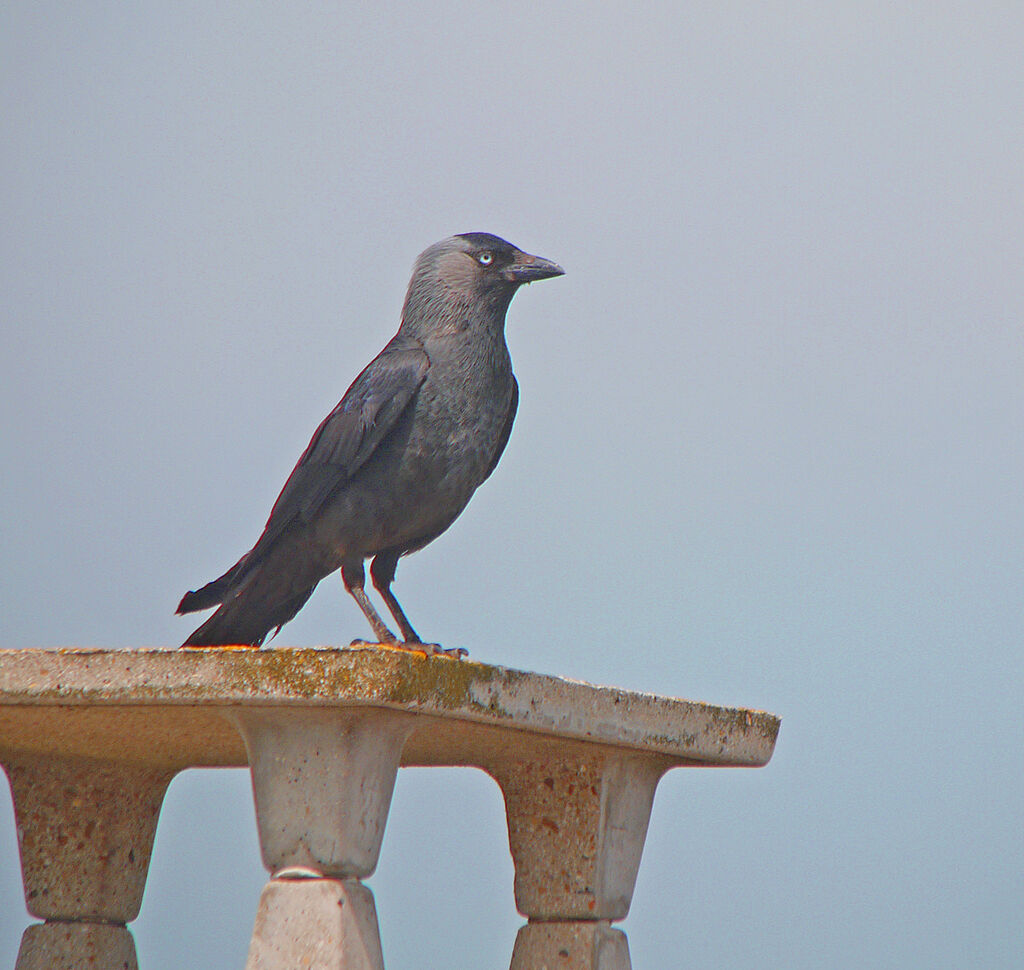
{"x": 403, "y": 649}
{"x": 225, "y": 646}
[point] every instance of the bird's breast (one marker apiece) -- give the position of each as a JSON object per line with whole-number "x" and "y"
{"x": 460, "y": 417}
{"x": 439, "y": 452}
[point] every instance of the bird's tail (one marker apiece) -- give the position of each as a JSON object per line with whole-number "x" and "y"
{"x": 254, "y": 598}
{"x": 217, "y": 591}
{"x": 240, "y": 621}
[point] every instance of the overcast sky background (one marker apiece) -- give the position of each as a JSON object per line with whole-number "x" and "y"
{"x": 768, "y": 453}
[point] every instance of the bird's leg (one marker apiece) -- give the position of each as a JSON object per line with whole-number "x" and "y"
{"x": 382, "y": 571}
{"x": 354, "y": 578}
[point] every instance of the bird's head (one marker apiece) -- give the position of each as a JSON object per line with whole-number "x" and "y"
{"x": 472, "y": 271}
{"x": 496, "y": 262}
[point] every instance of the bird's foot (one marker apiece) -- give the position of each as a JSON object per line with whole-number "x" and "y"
{"x": 436, "y": 650}
{"x": 414, "y": 646}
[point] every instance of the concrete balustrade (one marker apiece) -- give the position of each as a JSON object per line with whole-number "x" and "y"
{"x": 85, "y": 832}
{"x": 577, "y": 821}
{"x": 322, "y": 779}
{"x": 90, "y": 739}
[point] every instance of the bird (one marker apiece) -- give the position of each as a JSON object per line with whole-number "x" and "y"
{"x": 397, "y": 460}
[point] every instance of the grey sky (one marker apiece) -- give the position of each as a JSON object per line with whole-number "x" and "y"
{"x": 768, "y": 450}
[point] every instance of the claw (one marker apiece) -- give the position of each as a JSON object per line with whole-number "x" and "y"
{"x": 436, "y": 650}
{"x": 414, "y": 646}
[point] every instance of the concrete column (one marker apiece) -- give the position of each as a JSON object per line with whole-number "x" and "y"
{"x": 577, "y": 821}
{"x": 85, "y": 834}
{"x": 574, "y": 945}
{"x": 322, "y": 781}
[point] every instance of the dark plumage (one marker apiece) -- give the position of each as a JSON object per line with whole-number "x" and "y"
{"x": 392, "y": 466}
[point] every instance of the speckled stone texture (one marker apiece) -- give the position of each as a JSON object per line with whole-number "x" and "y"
{"x": 323, "y": 781}
{"x": 576, "y": 825}
{"x": 315, "y": 924}
{"x": 76, "y": 946}
{"x": 85, "y": 832}
{"x": 570, "y": 946}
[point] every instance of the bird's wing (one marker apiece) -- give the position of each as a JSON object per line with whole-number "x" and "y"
{"x": 513, "y": 405}
{"x": 349, "y": 434}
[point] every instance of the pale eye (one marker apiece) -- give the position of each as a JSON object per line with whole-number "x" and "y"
{"x": 485, "y": 259}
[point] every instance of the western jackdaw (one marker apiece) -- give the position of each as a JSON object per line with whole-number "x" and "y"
{"x": 393, "y": 465}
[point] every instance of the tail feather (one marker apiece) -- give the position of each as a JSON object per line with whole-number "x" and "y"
{"x": 255, "y": 597}
{"x": 217, "y": 591}
{"x": 240, "y": 621}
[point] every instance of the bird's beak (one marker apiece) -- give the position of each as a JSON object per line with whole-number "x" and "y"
{"x": 527, "y": 268}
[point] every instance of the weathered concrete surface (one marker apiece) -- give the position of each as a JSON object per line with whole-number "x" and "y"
{"x": 166, "y": 707}
{"x": 76, "y": 946}
{"x": 323, "y": 780}
{"x": 576, "y": 828}
{"x": 324, "y": 731}
{"x": 570, "y": 946}
{"x": 316, "y": 924}
{"x": 85, "y": 833}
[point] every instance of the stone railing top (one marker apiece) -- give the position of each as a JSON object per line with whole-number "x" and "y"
{"x": 167, "y": 707}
